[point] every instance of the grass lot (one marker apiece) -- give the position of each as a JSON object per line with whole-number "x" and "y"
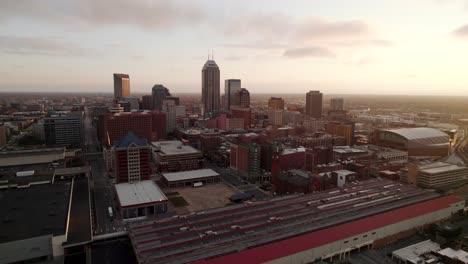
{"x": 178, "y": 201}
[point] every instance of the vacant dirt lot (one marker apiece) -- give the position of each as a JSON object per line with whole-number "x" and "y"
{"x": 205, "y": 197}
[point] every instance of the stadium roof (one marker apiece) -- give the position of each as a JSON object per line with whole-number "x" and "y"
{"x": 189, "y": 175}
{"x": 139, "y": 193}
{"x": 418, "y": 132}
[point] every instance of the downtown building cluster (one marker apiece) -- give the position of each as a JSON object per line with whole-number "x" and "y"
{"x": 220, "y": 178}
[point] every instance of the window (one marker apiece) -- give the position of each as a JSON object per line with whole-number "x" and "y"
{"x": 346, "y": 242}
{"x": 355, "y": 238}
{"x": 373, "y": 233}
{"x": 364, "y": 236}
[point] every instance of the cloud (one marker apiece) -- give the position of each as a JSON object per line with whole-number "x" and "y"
{"x": 316, "y": 28}
{"x": 152, "y": 14}
{"x": 308, "y": 52}
{"x": 461, "y": 31}
{"x": 257, "y": 45}
{"x": 362, "y": 61}
{"x": 39, "y": 46}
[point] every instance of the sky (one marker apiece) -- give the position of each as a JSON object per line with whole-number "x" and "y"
{"x": 416, "y": 47}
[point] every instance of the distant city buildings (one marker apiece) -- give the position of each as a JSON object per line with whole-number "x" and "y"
{"x": 210, "y": 88}
{"x": 314, "y": 104}
{"x": 231, "y": 87}
{"x": 121, "y": 86}
{"x": 276, "y": 103}
{"x": 337, "y": 104}
{"x": 147, "y": 102}
{"x": 133, "y": 101}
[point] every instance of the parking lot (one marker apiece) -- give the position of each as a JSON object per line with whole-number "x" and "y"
{"x": 205, "y": 197}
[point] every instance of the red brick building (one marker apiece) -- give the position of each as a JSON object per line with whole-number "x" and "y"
{"x": 244, "y": 113}
{"x": 146, "y": 125}
{"x": 131, "y": 159}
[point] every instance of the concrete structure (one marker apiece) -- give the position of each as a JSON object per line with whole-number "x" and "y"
{"x": 295, "y": 229}
{"x": 336, "y": 104}
{"x": 312, "y": 126}
{"x": 171, "y": 156}
{"x": 140, "y": 199}
{"x": 36, "y": 157}
{"x": 413, "y": 254}
{"x": 133, "y": 101}
{"x": 231, "y": 87}
{"x": 420, "y": 141}
{"x": 169, "y": 107}
{"x": 64, "y": 131}
{"x": 210, "y": 88}
{"x": 121, "y": 86}
{"x": 159, "y": 93}
{"x": 276, "y": 103}
{"x": 313, "y": 106}
{"x": 434, "y": 175}
{"x": 188, "y": 178}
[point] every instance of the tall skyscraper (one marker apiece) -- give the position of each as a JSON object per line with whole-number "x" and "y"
{"x": 121, "y": 86}
{"x": 210, "y": 87}
{"x": 159, "y": 94}
{"x": 336, "y": 104}
{"x": 169, "y": 107}
{"x": 231, "y": 87}
{"x": 314, "y": 104}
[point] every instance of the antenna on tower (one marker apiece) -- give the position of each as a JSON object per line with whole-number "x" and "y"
{"x": 212, "y": 54}
{"x": 208, "y": 54}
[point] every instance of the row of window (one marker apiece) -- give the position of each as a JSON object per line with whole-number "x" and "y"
{"x": 356, "y": 238}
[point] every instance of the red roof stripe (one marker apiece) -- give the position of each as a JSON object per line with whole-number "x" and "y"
{"x": 315, "y": 239}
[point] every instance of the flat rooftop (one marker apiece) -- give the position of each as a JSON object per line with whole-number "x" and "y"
{"x": 38, "y": 210}
{"x": 142, "y": 192}
{"x": 413, "y": 253}
{"x": 440, "y": 167}
{"x": 190, "y": 175}
{"x": 187, "y": 238}
{"x": 34, "y": 156}
{"x": 173, "y": 147}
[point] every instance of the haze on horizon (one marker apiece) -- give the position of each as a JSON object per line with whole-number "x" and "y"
{"x": 342, "y": 47}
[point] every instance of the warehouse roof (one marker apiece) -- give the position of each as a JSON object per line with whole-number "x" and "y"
{"x": 315, "y": 239}
{"x": 139, "y": 193}
{"x": 412, "y": 253}
{"x": 189, "y": 175}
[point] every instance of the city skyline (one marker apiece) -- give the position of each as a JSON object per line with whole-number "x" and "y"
{"x": 337, "y": 47}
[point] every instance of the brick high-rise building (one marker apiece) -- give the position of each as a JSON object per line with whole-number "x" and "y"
{"x": 246, "y": 159}
{"x": 244, "y": 113}
{"x": 121, "y": 86}
{"x": 314, "y": 104}
{"x": 131, "y": 159}
{"x": 146, "y": 125}
{"x": 276, "y": 103}
{"x": 345, "y": 130}
{"x": 210, "y": 88}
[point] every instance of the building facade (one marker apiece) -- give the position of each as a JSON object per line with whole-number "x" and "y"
{"x": 314, "y": 104}
{"x": 276, "y": 103}
{"x": 64, "y": 131}
{"x": 159, "y": 93}
{"x": 121, "y": 86}
{"x": 231, "y": 87}
{"x": 336, "y": 104}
